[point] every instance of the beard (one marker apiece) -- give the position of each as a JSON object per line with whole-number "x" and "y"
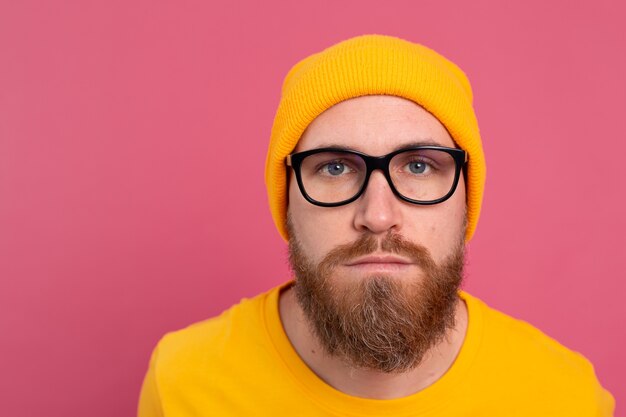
{"x": 378, "y": 323}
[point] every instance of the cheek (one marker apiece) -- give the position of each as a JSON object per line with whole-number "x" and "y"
{"x": 459, "y": 200}
{"x": 304, "y": 221}
{"x": 299, "y": 210}
{"x": 438, "y": 227}
{"x": 454, "y": 226}
{"x": 319, "y": 229}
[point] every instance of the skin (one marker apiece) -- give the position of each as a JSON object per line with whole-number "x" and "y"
{"x": 375, "y": 125}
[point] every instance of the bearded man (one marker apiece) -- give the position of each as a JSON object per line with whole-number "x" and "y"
{"x": 375, "y": 175}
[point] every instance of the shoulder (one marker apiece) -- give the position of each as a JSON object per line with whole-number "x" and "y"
{"x": 202, "y": 363}
{"x": 536, "y": 363}
{"x": 518, "y": 337}
{"x": 212, "y": 342}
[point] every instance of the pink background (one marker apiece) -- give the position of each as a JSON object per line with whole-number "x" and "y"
{"x": 132, "y": 144}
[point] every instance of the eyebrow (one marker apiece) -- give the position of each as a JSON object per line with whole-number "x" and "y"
{"x": 423, "y": 142}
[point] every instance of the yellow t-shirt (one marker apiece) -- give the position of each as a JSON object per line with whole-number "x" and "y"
{"x": 241, "y": 363}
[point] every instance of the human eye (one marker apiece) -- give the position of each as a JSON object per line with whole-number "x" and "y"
{"x": 334, "y": 168}
{"x": 332, "y": 165}
{"x": 419, "y": 166}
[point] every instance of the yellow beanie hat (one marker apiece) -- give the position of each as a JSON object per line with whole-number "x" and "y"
{"x": 365, "y": 65}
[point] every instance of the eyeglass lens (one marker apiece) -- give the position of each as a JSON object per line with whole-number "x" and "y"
{"x": 422, "y": 175}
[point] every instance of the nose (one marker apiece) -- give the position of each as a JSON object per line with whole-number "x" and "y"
{"x": 378, "y": 210}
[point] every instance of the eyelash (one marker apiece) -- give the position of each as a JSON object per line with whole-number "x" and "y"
{"x": 322, "y": 166}
{"x": 421, "y": 159}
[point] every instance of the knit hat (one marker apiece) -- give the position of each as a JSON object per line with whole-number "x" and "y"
{"x": 366, "y": 65}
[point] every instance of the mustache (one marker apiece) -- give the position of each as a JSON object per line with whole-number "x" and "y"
{"x": 368, "y": 243}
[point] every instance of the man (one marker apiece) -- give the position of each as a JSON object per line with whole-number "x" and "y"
{"x": 375, "y": 175}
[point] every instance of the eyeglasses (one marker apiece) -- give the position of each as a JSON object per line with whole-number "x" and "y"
{"x": 331, "y": 177}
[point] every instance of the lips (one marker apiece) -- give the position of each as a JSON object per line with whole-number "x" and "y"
{"x": 380, "y": 260}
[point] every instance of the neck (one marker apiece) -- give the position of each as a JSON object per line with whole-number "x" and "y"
{"x": 362, "y": 382}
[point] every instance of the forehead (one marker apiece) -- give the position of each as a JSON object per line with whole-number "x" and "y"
{"x": 375, "y": 124}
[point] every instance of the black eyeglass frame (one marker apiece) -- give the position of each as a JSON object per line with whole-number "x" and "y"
{"x": 373, "y": 163}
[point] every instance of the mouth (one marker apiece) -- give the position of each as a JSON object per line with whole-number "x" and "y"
{"x": 380, "y": 263}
